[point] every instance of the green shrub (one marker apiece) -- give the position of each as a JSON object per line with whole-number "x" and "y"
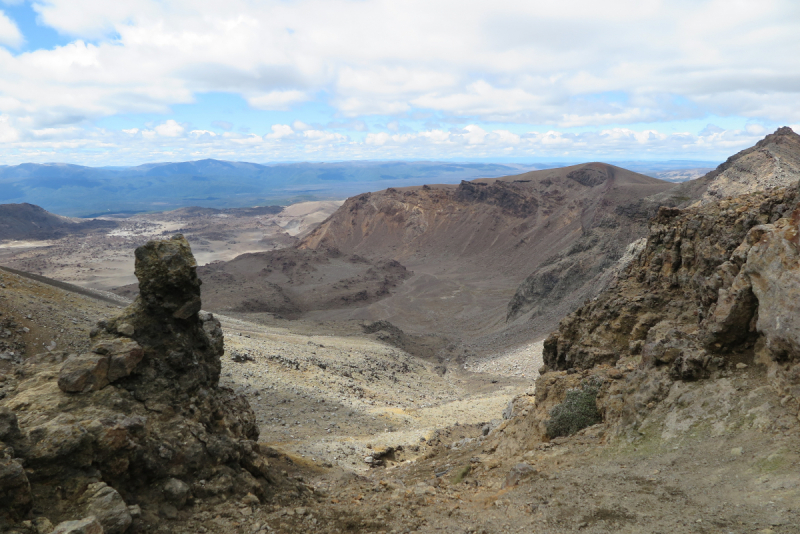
{"x": 578, "y": 411}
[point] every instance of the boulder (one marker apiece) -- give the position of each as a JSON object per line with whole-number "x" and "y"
{"x": 773, "y": 270}
{"x": 15, "y": 490}
{"x": 89, "y": 525}
{"x": 106, "y": 504}
{"x": 9, "y": 429}
{"x": 126, "y": 329}
{"x": 82, "y": 373}
{"x": 168, "y": 279}
{"x": 123, "y": 356}
{"x": 176, "y": 491}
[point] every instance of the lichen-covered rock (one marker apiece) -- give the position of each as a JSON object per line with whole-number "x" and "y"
{"x": 123, "y": 356}
{"x": 689, "y": 276}
{"x": 181, "y": 347}
{"x": 168, "y": 282}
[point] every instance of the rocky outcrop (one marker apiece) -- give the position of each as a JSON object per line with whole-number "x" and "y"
{"x": 715, "y": 287}
{"x": 690, "y": 291}
{"x": 138, "y": 418}
{"x": 772, "y": 162}
{"x": 710, "y": 301}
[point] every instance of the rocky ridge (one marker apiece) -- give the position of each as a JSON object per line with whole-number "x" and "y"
{"x": 713, "y": 293}
{"x": 137, "y": 427}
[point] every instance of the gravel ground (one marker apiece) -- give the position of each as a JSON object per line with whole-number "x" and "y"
{"x": 336, "y": 400}
{"x": 523, "y": 361}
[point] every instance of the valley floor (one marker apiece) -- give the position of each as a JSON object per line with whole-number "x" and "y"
{"x": 336, "y": 400}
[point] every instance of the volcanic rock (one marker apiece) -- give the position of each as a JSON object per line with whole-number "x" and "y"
{"x": 772, "y": 162}
{"x": 15, "y": 490}
{"x": 716, "y": 288}
{"x": 106, "y": 504}
{"x": 89, "y": 525}
{"x": 134, "y": 415}
{"x": 84, "y": 373}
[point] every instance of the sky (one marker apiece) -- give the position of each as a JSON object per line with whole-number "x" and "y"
{"x": 125, "y": 82}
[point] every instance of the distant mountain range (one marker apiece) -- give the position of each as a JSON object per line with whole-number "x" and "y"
{"x": 76, "y": 190}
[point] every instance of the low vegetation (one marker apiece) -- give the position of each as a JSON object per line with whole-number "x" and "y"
{"x": 578, "y": 411}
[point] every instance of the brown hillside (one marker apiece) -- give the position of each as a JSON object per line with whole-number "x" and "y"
{"x": 26, "y": 221}
{"x": 290, "y": 282}
{"x": 470, "y": 245}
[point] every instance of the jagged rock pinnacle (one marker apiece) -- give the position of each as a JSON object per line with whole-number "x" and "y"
{"x": 167, "y": 276}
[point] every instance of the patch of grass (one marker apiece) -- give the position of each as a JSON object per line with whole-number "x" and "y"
{"x": 461, "y": 474}
{"x": 578, "y": 411}
{"x": 773, "y": 463}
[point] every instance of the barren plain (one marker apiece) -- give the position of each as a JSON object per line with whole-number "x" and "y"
{"x": 103, "y": 259}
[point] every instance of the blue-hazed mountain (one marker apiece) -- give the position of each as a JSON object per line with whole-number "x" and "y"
{"x": 81, "y": 191}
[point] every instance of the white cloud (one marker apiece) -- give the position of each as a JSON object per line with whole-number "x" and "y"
{"x": 318, "y": 136}
{"x": 281, "y": 130}
{"x": 170, "y": 129}
{"x": 474, "y": 134}
{"x": 569, "y": 64}
{"x": 9, "y": 33}
{"x": 7, "y": 132}
{"x": 277, "y": 100}
{"x": 251, "y": 139}
{"x": 100, "y": 147}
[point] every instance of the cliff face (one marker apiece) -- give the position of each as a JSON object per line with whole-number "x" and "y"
{"x": 698, "y": 337}
{"x": 713, "y": 293}
{"x": 689, "y": 297}
{"x": 519, "y": 217}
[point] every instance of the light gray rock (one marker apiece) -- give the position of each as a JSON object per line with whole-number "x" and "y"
{"x": 106, "y": 504}
{"x": 773, "y": 269}
{"x": 517, "y": 473}
{"x": 126, "y": 329}
{"x": 89, "y": 525}
{"x": 176, "y": 491}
